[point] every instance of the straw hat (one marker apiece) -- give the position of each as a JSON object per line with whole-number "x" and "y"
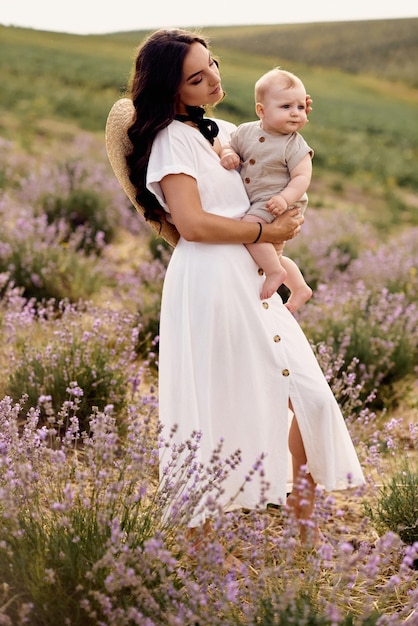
{"x": 118, "y": 146}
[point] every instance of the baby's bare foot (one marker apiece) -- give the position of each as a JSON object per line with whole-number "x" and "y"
{"x": 272, "y": 283}
{"x": 298, "y": 297}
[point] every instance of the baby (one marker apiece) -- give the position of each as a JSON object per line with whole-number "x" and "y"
{"x": 276, "y": 168}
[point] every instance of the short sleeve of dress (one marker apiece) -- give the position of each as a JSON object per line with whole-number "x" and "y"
{"x": 171, "y": 153}
{"x": 180, "y": 149}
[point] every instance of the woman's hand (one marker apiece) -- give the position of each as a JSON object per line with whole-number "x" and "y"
{"x": 308, "y": 104}
{"x": 284, "y": 227}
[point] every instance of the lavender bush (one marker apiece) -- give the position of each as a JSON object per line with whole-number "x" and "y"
{"x": 42, "y": 258}
{"x": 379, "y": 330}
{"x": 56, "y": 215}
{"x": 89, "y": 536}
{"x": 80, "y": 195}
{"x": 394, "y": 502}
{"x": 63, "y": 358}
{"x": 84, "y": 212}
{"x": 368, "y": 310}
{"x": 395, "y": 505}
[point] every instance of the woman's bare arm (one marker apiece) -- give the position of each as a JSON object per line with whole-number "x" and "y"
{"x": 195, "y": 224}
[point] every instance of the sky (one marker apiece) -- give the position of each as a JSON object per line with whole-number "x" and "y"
{"x": 100, "y": 16}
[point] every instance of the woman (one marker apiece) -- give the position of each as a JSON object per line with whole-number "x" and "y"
{"x": 230, "y": 364}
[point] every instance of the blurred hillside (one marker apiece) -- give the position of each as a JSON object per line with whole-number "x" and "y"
{"x": 361, "y": 75}
{"x": 385, "y": 49}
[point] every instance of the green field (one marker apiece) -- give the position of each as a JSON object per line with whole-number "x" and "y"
{"x": 361, "y": 76}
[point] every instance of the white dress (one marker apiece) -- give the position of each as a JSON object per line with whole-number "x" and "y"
{"x": 229, "y": 362}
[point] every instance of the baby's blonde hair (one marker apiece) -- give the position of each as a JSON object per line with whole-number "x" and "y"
{"x": 275, "y": 76}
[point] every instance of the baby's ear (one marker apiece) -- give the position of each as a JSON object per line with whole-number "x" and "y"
{"x": 259, "y": 109}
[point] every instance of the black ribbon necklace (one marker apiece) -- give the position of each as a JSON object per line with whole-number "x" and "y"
{"x": 207, "y": 127}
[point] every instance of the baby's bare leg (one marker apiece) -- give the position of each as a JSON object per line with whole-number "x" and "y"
{"x": 300, "y": 292}
{"x": 264, "y": 254}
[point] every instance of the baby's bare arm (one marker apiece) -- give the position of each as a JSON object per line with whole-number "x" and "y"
{"x": 229, "y": 158}
{"x": 300, "y": 178}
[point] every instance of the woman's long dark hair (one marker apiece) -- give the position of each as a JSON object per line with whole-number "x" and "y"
{"x": 155, "y": 84}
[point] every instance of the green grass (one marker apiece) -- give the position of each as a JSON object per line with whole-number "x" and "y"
{"x": 363, "y": 126}
{"x": 383, "y": 48}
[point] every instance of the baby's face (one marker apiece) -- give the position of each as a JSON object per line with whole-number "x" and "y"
{"x": 283, "y": 110}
